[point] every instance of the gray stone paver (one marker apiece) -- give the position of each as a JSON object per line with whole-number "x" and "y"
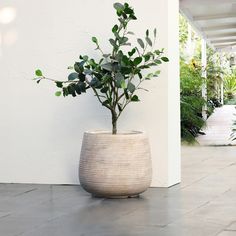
{"x": 218, "y": 129}
{"x": 204, "y": 204}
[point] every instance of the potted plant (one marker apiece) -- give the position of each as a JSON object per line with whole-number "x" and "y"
{"x": 114, "y": 164}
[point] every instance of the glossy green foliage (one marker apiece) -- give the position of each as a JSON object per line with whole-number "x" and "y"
{"x": 230, "y": 85}
{"x": 191, "y": 101}
{"x": 117, "y": 75}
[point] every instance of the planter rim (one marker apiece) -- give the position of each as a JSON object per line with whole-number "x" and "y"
{"x": 105, "y": 132}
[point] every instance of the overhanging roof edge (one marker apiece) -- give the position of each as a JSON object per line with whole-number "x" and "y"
{"x": 195, "y": 26}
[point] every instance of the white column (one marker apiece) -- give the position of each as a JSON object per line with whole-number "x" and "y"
{"x": 222, "y": 83}
{"x": 222, "y": 92}
{"x": 204, "y": 75}
{"x": 189, "y": 42}
{"x": 159, "y": 112}
{"x": 172, "y": 151}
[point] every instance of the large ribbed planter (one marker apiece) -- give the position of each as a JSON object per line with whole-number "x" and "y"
{"x": 115, "y": 166}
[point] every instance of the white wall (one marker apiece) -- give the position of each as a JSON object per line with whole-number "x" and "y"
{"x": 40, "y": 134}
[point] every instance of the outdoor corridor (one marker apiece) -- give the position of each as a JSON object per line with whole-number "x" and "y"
{"x": 218, "y": 129}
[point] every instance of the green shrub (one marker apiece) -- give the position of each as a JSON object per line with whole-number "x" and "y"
{"x": 191, "y": 101}
{"x": 230, "y": 85}
{"x": 230, "y": 101}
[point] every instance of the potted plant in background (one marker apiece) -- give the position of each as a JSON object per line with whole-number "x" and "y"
{"x": 114, "y": 164}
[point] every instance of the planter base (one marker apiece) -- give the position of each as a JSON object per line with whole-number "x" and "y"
{"x": 116, "y": 197}
{"x": 115, "y": 166}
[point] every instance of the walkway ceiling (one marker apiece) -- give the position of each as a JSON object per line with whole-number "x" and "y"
{"x": 215, "y": 20}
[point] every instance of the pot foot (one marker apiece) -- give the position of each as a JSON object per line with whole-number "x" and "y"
{"x": 116, "y": 197}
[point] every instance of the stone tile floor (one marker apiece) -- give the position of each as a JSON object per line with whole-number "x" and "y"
{"x": 204, "y": 204}
{"x": 218, "y": 128}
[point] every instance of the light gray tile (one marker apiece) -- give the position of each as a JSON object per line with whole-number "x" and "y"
{"x": 203, "y": 205}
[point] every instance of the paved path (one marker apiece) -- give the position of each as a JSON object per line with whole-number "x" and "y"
{"x": 218, "y": 127}
{"x": 204, "y": 204}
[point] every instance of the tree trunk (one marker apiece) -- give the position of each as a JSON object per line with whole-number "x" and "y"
{"x": 114, "y": 122}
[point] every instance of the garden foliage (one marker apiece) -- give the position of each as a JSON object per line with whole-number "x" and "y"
{"x": 191, "y": 101}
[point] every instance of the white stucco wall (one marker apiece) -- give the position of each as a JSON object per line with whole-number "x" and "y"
{"x": 40, "y": 134}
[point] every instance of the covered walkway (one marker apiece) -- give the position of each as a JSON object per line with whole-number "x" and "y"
{"x": 214, "y": 20}
{"x": 218, "y": 129}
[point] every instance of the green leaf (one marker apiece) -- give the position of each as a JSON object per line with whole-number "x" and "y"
{"x": 135, "y": 98}
{"x": 59, "y": 84}
{"x": 123, "y": 84}
{"x": 128, "y": 10}
{"x": 79, "y": 67}
{"x": 144, "y": 67}
{"x": 38, "y": 72}
{"x": 141, "y": 43}
{"x": 106, "y": 55}
{"x": 119, "y": 76}
{"x": 80, "y": 87}
{"x": 131, "y": 87}
{"x": 147, "y": 33}
{"x": 157, "y": 61}
{"x": 71, "y": 90}
{"x": 149, "y": 41}
{"x": 82, "y": 77}
{"x": 130, "y": 32}
{"x": 133, "y": 17}
{"x": 77, "y": 89}
{"x": 125, "y": 60}
{"x": 73, "y": 76}
{"x": 125, "y": 70}
{"x": 151, "y": 64}
{"x": 137, "y": 60}
{"x": 165, "y": 59}
{"x": 131, "y": 53}
{"x": 157, "y": 73}
{"x": 92, "y": 63}
{"x": 93, "y": 82}
{"x": 106, "y": 78}
{"x": 120, "y": 80}
{"x": 118, "y": 6}
{"x": 115, "y": 28}
{"x": 157, "y": 52}
{"x": 155, "y": 32}
{"x": 65, "y": 91}
{"x": 140, "y": 75}
{"x": 94, "y": 39}
{"x": 85, "y": 58}
{"x": 106, "y": 102}
{"x": 104, "y": 90}
{"x": 149, "y": 76}
{"x": 112, "y": 42}
{"x": 107, "y": 66}
{"x": 87, "y": 72}
{"x": 147, "y": 57}
{"x": 58, "y": 93}
{"x": 123, "y": 40}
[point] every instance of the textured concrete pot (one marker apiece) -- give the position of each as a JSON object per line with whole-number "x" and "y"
{"x": 115, "y": 166}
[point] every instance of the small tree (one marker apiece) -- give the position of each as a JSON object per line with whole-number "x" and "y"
{"x": 117, "y": 76}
